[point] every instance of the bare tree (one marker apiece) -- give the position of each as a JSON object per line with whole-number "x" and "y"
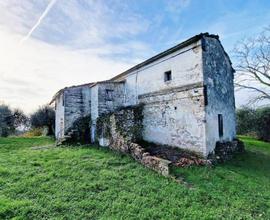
{"x": 253, "y": 65}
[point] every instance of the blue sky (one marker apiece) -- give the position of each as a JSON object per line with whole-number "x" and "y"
{"x": 79, "y": 41}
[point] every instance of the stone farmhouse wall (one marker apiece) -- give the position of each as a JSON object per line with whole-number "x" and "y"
{"x": 175, "y": 118}
{"x": 184, "y": 111}
{"x": 110, "y": 97}
{"x": 218, "y": 79}
{"x": 77, "y": 104}
{"x": 71, "y": 104}
{"x": 187, "y": 93}
{"x": 184, "y": 64}
{"x": 106, "y": 97}
{"x": 121, "y": 130}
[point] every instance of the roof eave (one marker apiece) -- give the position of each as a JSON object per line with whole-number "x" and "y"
{"x": 165, "y": 53}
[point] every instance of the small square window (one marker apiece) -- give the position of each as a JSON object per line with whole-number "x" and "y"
{"x": 168, "y": 76}
{"x": 109, "y": 95}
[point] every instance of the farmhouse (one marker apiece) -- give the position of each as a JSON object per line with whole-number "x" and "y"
{"x": 187, "y": 95}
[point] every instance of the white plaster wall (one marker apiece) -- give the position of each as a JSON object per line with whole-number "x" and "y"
{"x": 94, "y": 110}
{"x": 94, "y": 102}
{"x": 176, "y": 119}
{"x": 186, "y": 67}
{"x": 131, "y": 90}
{"x": 59, "y": 117}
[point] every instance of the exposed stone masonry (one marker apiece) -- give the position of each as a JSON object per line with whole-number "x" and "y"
{"x": 125, "y": 129}
{"x": 192, "y": 110}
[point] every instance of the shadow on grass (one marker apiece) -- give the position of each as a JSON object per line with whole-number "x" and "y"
{"x": 250, "y": 164}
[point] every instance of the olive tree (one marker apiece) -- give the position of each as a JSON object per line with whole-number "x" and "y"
{"x": 11, "y": 120}
{"x": 6, "y": 121}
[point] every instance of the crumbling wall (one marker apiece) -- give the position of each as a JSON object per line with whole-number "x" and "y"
{"x": 106, "y": 98}
{"x": 121, "y": 129}
{"x": 77, "y": 104}
{"x": 125, "y": 122}
{"x": 110, "y": 96}
{"x": 174, "y": 109}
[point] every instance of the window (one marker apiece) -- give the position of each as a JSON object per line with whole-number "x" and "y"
{"x": 109, "y": 95}
{"x": 168, "y": 76}
{"x": 220, "y": 125}
{"x": 205, "y": 95}
{"x": 63, "y": 100}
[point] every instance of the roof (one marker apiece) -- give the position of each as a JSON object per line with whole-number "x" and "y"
{"x": 70, "y": 87}
{"x": 82, "y": 85}
{"x": 106, "y": 81}
{"x": 146, "y": 62}
{"x": 165, "y": 53}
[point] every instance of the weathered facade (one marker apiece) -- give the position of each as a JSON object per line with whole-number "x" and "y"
{"x": 187, "y": 93}
{"x": 71, "y": 103}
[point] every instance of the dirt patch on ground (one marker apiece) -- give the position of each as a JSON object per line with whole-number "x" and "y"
{"x": 178, "y": 157}
{"x": 45, "y": 147}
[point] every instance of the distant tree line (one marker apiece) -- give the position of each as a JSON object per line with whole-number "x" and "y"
{"x": 11, "y": 120}
{"x": 15, "y": 121}
{"x": 254, "y": 122}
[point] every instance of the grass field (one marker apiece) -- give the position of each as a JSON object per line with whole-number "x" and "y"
{"x": 94, "y": 183}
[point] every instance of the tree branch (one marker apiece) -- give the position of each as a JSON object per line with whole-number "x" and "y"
{"x": 266, "y": 95}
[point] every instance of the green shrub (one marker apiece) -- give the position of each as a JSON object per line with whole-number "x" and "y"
{"x": 103, "y": 126}
{"x": 11, "y": 120}
{"x": 35, "y": 132}
{"x": 263, "y": 123}
{"x": 254, "y": 122}
{"x": 246, "y": 118}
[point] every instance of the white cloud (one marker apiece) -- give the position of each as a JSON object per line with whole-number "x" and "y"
{"x": 30, "y": 73}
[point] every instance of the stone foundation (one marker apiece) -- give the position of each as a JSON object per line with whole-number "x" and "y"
{"x": 157, "y": 164}
{"x": 226, "y": 150}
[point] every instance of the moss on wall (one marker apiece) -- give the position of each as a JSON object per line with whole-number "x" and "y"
{"x": 103, "y": 128}
{"x": 128, "y": 123}
{"x": 79, "y": 132}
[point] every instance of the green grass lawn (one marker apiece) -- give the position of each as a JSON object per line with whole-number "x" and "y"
{"x": 96, "y": 183}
